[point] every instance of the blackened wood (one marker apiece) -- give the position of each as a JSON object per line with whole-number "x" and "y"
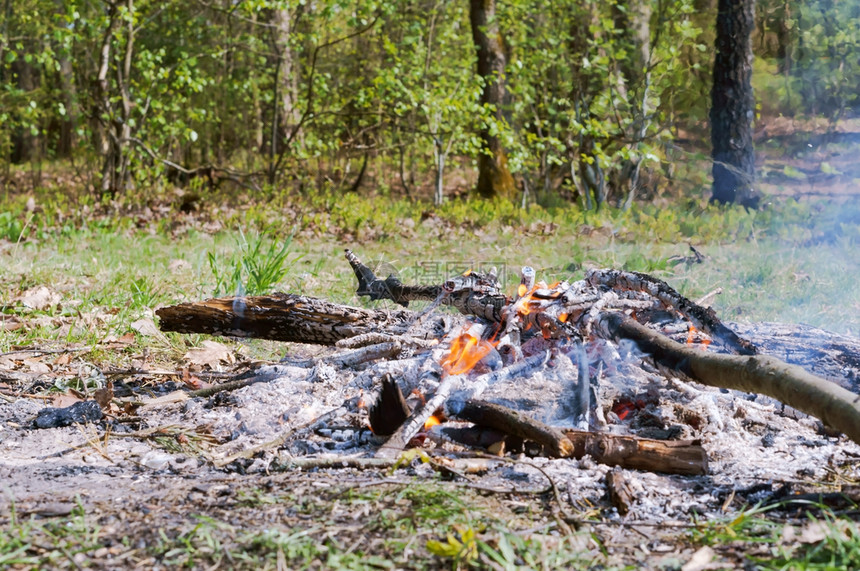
{"x": 474, "y": 436}
{"x": 411, "y": 426}
{"x": 514, "y": 423}
{"x": 390, "y": 410}
{"x": 630, "y": 452}
{"x": 287, "y": 317}
{"x": 472, "y": 293}
{"x": 834, "y": 405}
{"x": 389, "y": 288}
{"x": 703, "y": 318}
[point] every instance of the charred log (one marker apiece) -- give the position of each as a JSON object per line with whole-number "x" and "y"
{"x": 472, "y": 293}
{"x": 390, "y": 410}
{"x": 703, "y": 318}
{"x": 514, "y": 423}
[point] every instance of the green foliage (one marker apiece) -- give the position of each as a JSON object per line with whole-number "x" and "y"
{"x": 257, "y": 266}
{"x": 11, "y": 227}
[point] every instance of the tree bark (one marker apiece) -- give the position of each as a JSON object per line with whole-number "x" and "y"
{"x": 282, "y": 20}
{"x": 733, "y": 105}
{"x": 286, "y": 317}
{"x": 494, "y": 178}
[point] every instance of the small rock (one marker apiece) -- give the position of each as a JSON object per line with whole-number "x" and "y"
{"x": 155, "y": 459}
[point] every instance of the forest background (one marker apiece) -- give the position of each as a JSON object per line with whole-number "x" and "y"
{"x": 600, "y": 102}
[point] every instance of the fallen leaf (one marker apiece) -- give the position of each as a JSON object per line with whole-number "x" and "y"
{"x": 104, "y": 396}
{"x": 192, "y": 381}
{"x": 63, "y": 359}
{"x": 114, "y": 342}
{"x": 39, "y": 298}
{"x": 146, "y": 327}
{"x": 64, "y": 400}
{"x": 700, "y": 560}
{"x": 211, "y": 354}
{"x": 37, "y": 366}
{"x": 10, "y": 324}
{"x": 813, "y": 532}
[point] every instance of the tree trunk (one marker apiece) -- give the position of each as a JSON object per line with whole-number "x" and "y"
{"x": 733, "y": 105}
{"x": 494, "y": 178}
{"x": 283, "y": 22}
{"x": 106, "y": 138}
{"x": 25, "y": 145}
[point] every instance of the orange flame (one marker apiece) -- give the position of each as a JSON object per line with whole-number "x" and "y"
{"x": 691, "y": 335}
{"x": 431, "y": 422}
{"x": 466, "y": 352}
{"x": 522, "y": 304}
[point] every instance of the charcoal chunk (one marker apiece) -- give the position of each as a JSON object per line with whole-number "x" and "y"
{"x": 80, "y": 412}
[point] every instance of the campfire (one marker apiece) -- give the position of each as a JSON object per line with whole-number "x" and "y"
{"x": 569, "y": 369}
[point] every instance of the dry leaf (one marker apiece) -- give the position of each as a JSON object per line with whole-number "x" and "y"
{"x": 39, "y": 298}
{"x": 10, "y": 324}
{"x": 813, "y": 532}
{"x": 114, "y": 342}
{"x": 192, "y": 381}
{"x": 64, "y": 400}
{"x": 211, "y": 354}
{"x": 104, "y": 396}
{"x": 146, "y": 327}
{"x": 63, "y": 359}
{"x": 37, "y": 366}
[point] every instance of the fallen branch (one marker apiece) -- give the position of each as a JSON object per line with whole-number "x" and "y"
{"x": 701, "y": 317}
{"x": 837, "y": 407}
{"x": 631, "y": 452}
{"x": 287, "y": 317}
{"x": 513, "y": 423}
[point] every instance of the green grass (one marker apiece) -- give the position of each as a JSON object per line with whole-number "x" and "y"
{"x": 384, "y": 527}
{"x": 822, "y": 541}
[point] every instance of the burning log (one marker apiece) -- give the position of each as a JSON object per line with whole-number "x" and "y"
{"x": 472, "y": 293}
{"x": 287, "y": 317}
{"x": 514, "y": 423}
{"x": 671, "y": 457}
{"x": 837, "y": 407}
{"x": 702, "y": 318}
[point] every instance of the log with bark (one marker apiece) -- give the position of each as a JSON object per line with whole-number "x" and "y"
{"x": 672, "y": 457}
{"x": 295, "y": 318}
